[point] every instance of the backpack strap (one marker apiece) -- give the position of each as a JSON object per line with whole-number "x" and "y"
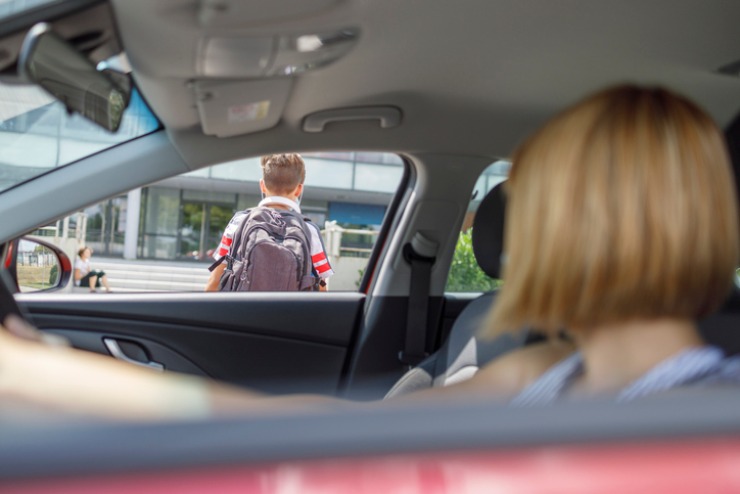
{"x": 311, "y": 278}
{"x": 217, "y": 263}
{"x": 236, "y": 241}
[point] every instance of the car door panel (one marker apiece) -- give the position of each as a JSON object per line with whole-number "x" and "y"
{"x": 277, "y": 342}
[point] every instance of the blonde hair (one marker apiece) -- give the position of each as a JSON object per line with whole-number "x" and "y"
{"x": 622, "y": 207}
{"x": 282, "y": 173}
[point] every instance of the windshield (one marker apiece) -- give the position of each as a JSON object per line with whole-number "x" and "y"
{"x": 37, "y": 134}
{"x": 9, "y": 8}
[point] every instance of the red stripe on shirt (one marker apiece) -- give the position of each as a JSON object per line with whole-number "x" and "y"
{"x": 323, "y": 268}
{"x": 318, "y": 257}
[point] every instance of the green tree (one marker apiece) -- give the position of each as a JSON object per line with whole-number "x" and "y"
{"x": 465, "y": 275}
{"x": 54, "y": 275}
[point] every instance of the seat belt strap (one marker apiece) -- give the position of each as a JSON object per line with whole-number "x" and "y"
{"x": 418, "y": 308}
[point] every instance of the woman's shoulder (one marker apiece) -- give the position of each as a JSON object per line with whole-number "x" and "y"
{"x": 698, "y": 368}
{"x": 517, "y": 369}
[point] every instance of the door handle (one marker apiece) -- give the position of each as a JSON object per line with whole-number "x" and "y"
{"x": 115, "y": 350}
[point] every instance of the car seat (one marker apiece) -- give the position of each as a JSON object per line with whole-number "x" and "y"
{"x": 462, "y": 354}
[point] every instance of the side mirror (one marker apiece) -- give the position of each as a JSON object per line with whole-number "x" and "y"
{"x": 69, "y": 76}
{"x": 37, "y": 266}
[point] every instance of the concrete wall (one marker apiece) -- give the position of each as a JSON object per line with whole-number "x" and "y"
{"x": 347, "y": 273}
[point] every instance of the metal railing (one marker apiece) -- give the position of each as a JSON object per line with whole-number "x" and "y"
{"x": 333, "y": 234}
{"x": 63, "y": 229}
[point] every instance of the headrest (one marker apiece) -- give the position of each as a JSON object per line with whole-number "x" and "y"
{"x": 488, "y": 231}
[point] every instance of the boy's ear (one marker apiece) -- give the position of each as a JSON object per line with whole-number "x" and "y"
{"x": 262, "y": 186}
{"x": 298, "y": 190}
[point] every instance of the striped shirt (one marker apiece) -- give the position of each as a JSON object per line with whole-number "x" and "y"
{"x": 704, "y": 365}
{"x": 319, "y": 258}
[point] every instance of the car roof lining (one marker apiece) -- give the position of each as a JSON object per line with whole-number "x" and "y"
{"x": 487, "y": 105}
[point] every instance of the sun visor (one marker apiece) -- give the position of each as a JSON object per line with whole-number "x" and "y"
{"x": 230, "y": 108}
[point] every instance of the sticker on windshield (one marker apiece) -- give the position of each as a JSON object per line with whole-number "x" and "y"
{"x": 248, "y": 113}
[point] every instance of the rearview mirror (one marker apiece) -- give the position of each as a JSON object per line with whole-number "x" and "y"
{"x": 59, "y": 68}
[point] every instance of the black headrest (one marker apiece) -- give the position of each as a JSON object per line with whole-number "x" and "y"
{"x": 488, "y": 231}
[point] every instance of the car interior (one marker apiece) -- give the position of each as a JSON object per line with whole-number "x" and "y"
{"x": 356, "y": 343}
{"x": 449, "y": 87}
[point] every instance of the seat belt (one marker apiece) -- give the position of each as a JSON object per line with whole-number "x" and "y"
{"x": 420, "y": 254}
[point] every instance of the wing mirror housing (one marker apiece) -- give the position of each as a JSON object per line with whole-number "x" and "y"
{"x": 36, "y": 265}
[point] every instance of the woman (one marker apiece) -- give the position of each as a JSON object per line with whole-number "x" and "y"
{"x": 622, "y": 231}
{"x": 84, "y": 275}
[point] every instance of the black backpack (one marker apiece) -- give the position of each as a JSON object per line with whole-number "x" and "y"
{"x": 271, "y": 251}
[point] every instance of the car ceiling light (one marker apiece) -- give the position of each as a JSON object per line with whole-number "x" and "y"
{"x": 270, "y": 56}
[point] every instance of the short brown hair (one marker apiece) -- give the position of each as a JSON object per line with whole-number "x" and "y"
{"x": 282, "y": 173}
{"x": 622, "y": 207}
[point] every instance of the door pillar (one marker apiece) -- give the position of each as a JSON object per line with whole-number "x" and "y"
{"x": 131, "y": 233}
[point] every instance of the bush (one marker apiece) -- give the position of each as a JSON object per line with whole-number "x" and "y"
{"x": 465, "y": 275}
{"x": 361, "y": 274}
{"x": 54, "y": 275}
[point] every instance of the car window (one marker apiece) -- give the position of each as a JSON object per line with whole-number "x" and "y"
{"x": 465, "y": 274}
{"x": 164, "y": 236}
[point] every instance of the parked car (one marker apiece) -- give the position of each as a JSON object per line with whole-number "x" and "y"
{"x": 450, "y": 88}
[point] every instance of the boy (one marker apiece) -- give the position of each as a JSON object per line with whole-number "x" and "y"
{"x": 282, "y": 187}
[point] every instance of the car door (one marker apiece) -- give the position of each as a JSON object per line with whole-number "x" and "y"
{"x": 276, "y": 342}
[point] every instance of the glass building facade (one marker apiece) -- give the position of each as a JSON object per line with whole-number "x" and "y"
{"x": 182, "y": 218}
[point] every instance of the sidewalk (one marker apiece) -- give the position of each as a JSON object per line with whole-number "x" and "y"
{"x": 147, "y": 275}
{"x": 153, "y": 275}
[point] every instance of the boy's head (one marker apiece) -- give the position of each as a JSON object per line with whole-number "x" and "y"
{"x": 282, "y": 174}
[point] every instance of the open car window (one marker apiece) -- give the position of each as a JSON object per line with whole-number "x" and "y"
{"x": 164, "y": 236}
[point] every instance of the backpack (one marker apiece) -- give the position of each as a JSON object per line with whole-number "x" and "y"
{"x": 270, "y": 252}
